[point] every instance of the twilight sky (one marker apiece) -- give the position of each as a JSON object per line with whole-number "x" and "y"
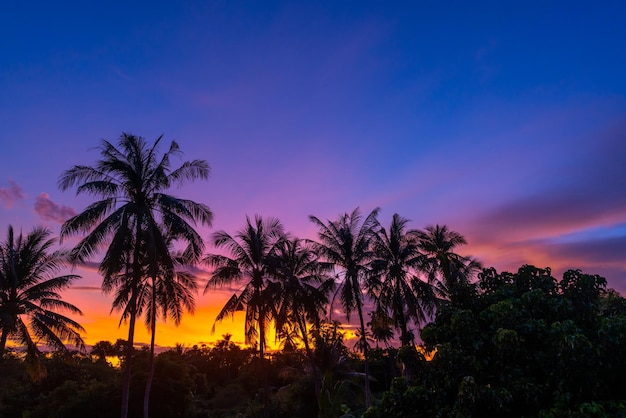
{"x": 504, "y": 120}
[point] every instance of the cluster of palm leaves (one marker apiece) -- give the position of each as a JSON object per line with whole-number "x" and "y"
{"x": 31, "y": 307}
{"x": 148, "y": 241}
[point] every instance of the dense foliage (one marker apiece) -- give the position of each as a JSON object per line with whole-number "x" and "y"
{"x": 520, "y": 345}
{"x": 220, "y": 381}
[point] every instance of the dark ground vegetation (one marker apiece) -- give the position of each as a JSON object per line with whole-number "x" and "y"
{"x": 515, "y": 345}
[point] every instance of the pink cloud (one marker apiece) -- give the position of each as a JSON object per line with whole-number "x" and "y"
{"x": 50, "y": 211}
{"x": 9, "y": 195}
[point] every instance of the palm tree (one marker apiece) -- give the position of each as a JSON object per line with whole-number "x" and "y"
{"x": 253, "y": 251}
{"x": 346, "y": 243}
{"x": 30, "y": 302}
{"x": 445, "y": 268}
{"x": 132, "y": 218}
{"x": 380, "y": 326}
{"x": 331, "y": 356}
{"x": 399, "y": 292}
{"x": 305, "y": 288}
{"x": 170, "y": 292}
{"x": 103, "y": 349}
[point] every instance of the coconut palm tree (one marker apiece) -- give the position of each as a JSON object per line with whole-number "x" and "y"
{"x": 347, "y": 244}
{"x": 170, "y": 291}
{"x": 399, "y": 292}
{"x": 165, "y": 292}
{"x": 380, "y": 326}
{"x": 132, "y": 218}
{"x": 30, "y": 299}
{"x": 253, "y": 251}
{"x": 446, "y": 269}
{"x": 305, "y": 288}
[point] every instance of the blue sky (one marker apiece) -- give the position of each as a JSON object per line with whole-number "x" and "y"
{"x": 504, "y": 120}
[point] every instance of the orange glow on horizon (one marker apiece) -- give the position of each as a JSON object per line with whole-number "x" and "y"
{"x": 194, "y": 329}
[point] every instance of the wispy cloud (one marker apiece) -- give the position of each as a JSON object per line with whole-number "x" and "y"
{"x": 571, "y": 216}
{"x": 51, "y": 211}
{"x": 10, "y": 195}
{"x": 86, "y": 288}
{"x": 91, "y": 265}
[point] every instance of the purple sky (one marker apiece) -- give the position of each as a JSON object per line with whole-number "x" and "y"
{"x": 504, "y": 120}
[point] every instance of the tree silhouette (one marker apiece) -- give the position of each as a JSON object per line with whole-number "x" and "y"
{"x": 169, "y": 292}
{"x": 445, "y": 269}
{"x": 305, "y": 287}
{"x": 30, "y": 302}
{"x": 399, "y": 292}
{"x": 380, "y": 327}
{"x": 346, "y": 243}
{"x": 253, "y": 251}
{"x": 104, "y": 349}
{"x": 132, "y": 217}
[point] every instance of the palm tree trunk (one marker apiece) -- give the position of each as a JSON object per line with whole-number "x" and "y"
{"x": 404, "y": 332}
{"x": 266, "y": 386}
{"x": 368, "y": 396}
{"x": 316, "y": 378}
{"x": 146, "y": 395}
{"x": 135, "y": 288}
{"x": 129, "y": 355}
{"x": 3, "y": 342}
{"x": 405, "y": 342}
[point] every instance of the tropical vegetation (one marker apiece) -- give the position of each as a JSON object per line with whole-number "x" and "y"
{"x": 458, "y": 340}
{"x": 31, "y": 306}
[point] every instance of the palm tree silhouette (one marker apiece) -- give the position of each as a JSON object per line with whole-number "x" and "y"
{"x": 131, "y": 219}
{"x": 399, "y": 292}
{"x": 305, "y": 287}
{"x": 445, "y": 269}
{"x": 253, "y": 251}
{"x": 380, "y": 326}
{"x": 168, "y": 293}
{"x": 30, "y": 302}
{"x": 346, "y": 243}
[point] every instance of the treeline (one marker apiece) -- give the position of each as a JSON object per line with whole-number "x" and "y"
{"x": 518, "y": 345}
{"x": 220, "y": 381}
{"x": 393, "y": 279}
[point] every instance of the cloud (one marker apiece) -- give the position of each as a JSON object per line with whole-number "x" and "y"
{"x": 585, "y": 192}
{"x": 50, "y": 211}
{"x": 98, "y": 288}
{"x": 563, "y": 221}
{"x": 91, "y": 265}
{"x": 556, "y": 212}
{"x": 604, "y": 256}
{"x": 9, "y": 195}
{"x": 607, "y": 251}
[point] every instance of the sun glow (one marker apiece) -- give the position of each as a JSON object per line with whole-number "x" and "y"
{"x": 194, "y": 329}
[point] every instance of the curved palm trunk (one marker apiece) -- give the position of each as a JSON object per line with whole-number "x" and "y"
{"x": 146, "y": 395}
{"x": 368, "y": 396}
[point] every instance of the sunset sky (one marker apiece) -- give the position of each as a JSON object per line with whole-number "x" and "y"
{"x": 504, "y": 120}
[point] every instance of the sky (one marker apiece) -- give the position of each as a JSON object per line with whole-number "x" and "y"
{"x": 505, "y": 121}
